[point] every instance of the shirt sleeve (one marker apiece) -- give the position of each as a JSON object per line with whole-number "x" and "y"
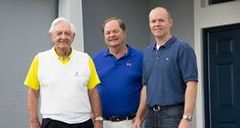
{"x": 31, "y": 79}
{"x": 188, "y": 64}
{"x": 94, "y": 79}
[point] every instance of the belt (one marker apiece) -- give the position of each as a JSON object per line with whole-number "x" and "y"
{"x": 120, "y": 118}
{"x": 156, "y": 108}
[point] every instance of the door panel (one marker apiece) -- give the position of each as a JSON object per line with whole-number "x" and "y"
{"x": 222, "y": 76}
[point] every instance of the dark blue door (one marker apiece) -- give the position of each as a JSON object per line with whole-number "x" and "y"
{"x": 222, "y": 76}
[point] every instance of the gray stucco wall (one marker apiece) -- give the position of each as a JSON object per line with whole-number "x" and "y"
{"x": 133, "y": 12}
{"x": 24, "y": 32}
{"x": 135, "y": 15}
{"x": 183, "y": 14}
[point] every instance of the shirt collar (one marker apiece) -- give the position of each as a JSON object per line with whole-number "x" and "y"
{"x": 129, "y": 51}
{"x": 63, "y": 60}
{"x": 166, "y": 45}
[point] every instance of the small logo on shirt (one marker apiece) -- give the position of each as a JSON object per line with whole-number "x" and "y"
{"x": 129, "y": 64}
{"x": 76, "y": 74}
{"x": 167, "y": 59}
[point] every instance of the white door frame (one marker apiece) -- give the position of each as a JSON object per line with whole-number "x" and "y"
{"x": 206, "y": 16}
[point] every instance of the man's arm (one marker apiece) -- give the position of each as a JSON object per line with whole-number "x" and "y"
{"x": 33, "y": 108}
{"x": 141, "y": 109}
{"x": 96, "y": 107}
{"x": 190, "y": 101}
{"x": 190, "y": 97}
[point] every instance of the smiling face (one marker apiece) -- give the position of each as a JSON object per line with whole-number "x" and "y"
{"x": 114, "y": 36}
{"x": 160, "y": 22}
{"x": 62, "y": 36}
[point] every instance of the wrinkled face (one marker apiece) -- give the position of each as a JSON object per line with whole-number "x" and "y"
{"x": 113, "y": 34}
{"x": 160, "y": 23}
{"x": 62, "y": 36}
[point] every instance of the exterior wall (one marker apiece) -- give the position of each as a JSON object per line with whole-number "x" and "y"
{"x": 133, "y": 12}
{"x": 24, "y": 32}
{"x": 183, "y": 16}
{"x": 204, "y": 17}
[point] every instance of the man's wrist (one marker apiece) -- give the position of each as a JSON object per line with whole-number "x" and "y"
{"x": 187, "y": 117}
{"x": 99, "y": 119}
{"x": 34, "y": 120}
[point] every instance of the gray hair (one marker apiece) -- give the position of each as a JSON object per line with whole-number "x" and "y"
{"x": 58, "y": 20}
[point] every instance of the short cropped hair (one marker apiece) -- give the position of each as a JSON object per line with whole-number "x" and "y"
{"x": 120, "y": 21}
{"x": 159, "y": 7}
{"x": 58, "y": 20}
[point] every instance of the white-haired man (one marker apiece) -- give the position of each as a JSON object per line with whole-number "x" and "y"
{"x": 65, "y": 80}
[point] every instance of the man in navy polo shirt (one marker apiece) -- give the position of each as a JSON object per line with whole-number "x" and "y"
{"x": 119, "y": 67}
{"x": 169, "y": 77}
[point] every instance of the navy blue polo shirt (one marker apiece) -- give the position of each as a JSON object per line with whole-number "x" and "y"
{"x": 121, "y": 81}
{"x": 166, "y": 70}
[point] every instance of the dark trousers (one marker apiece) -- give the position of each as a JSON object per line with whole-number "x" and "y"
{"x": 49, "y": 123}
{"x": 166, "y": 118}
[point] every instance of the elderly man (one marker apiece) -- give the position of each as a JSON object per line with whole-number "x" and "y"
{"x": 66, "y": 81}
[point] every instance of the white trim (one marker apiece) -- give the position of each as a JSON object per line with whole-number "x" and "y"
{"x": 197, "y": 43}
{"x": 209, "y": 16}
{"x": 72, "y": 9}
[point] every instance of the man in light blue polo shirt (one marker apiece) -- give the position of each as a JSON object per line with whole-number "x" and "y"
{"x": 169, "y": 77}
{"x": 119, "y": 67}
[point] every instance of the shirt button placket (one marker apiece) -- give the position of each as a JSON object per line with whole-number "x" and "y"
{"x": 157, "y": 56}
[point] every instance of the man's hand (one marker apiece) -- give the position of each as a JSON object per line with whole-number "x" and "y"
{"x": 98, "y": 124}
{"x": 137, "y": 122}
{"x": 35, "y": 124}
{"x": 184, "y": 124}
